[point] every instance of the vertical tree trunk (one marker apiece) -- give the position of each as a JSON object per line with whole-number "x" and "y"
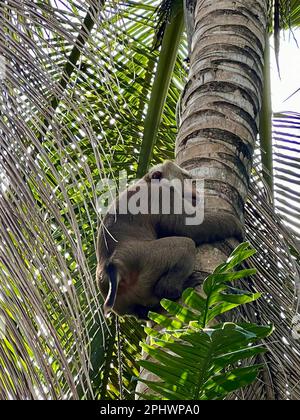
{"x": 221, "y": 101}
{"x": 220, "y": 109}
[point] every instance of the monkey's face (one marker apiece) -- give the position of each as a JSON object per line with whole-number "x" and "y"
{"x": 176, "y": 179}
{"x": 127, "y": 292}
{"x": 167, "y": 170}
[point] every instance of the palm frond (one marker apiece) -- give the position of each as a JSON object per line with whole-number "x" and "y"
{"x": 207, "y": 361}
{"x": 49, "y": 300}
{"x": 286, "y": 133}
{"x": 277, "y": 279}
{"x": 75, "y": 83}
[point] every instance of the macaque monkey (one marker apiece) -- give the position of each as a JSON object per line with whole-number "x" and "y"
{"x": 148, "y": 253}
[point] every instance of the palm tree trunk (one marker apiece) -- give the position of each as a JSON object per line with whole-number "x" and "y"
{"x": 220, "y": 108}
{"x": 222, "y": 99}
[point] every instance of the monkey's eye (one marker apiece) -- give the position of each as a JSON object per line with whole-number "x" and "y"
{"x": 156, "y": 175}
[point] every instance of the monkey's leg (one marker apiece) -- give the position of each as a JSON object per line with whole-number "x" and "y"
{"x": 176, "y": 256}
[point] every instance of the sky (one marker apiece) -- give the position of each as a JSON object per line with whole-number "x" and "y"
{"x": 289, "y": 62}
{"x": 282, "y": 88}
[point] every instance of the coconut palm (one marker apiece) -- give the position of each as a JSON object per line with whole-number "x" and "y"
{"x": 88, "y": 89}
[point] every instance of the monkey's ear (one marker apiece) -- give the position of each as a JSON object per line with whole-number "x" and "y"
{"x": 156, "y": 175}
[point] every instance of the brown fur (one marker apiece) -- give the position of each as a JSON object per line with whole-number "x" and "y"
{"x": 154, "y": 254}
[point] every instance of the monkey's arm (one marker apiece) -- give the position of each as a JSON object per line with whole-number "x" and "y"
{"x": 214, "y": 227}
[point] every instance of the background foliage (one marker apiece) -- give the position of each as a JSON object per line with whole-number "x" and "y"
{"x": 75, "y": 80}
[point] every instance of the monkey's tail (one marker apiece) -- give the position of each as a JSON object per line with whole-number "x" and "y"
{"x": 112, "y": 273}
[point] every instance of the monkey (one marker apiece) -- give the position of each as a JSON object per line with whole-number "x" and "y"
{"x": 145, "y": 255}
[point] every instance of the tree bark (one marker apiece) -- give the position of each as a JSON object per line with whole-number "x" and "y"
{"x": 219, "y": 110}
{"x": 222, "y": 99}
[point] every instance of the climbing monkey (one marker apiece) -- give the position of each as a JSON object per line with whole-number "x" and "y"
{"x": 146, "y": 246}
